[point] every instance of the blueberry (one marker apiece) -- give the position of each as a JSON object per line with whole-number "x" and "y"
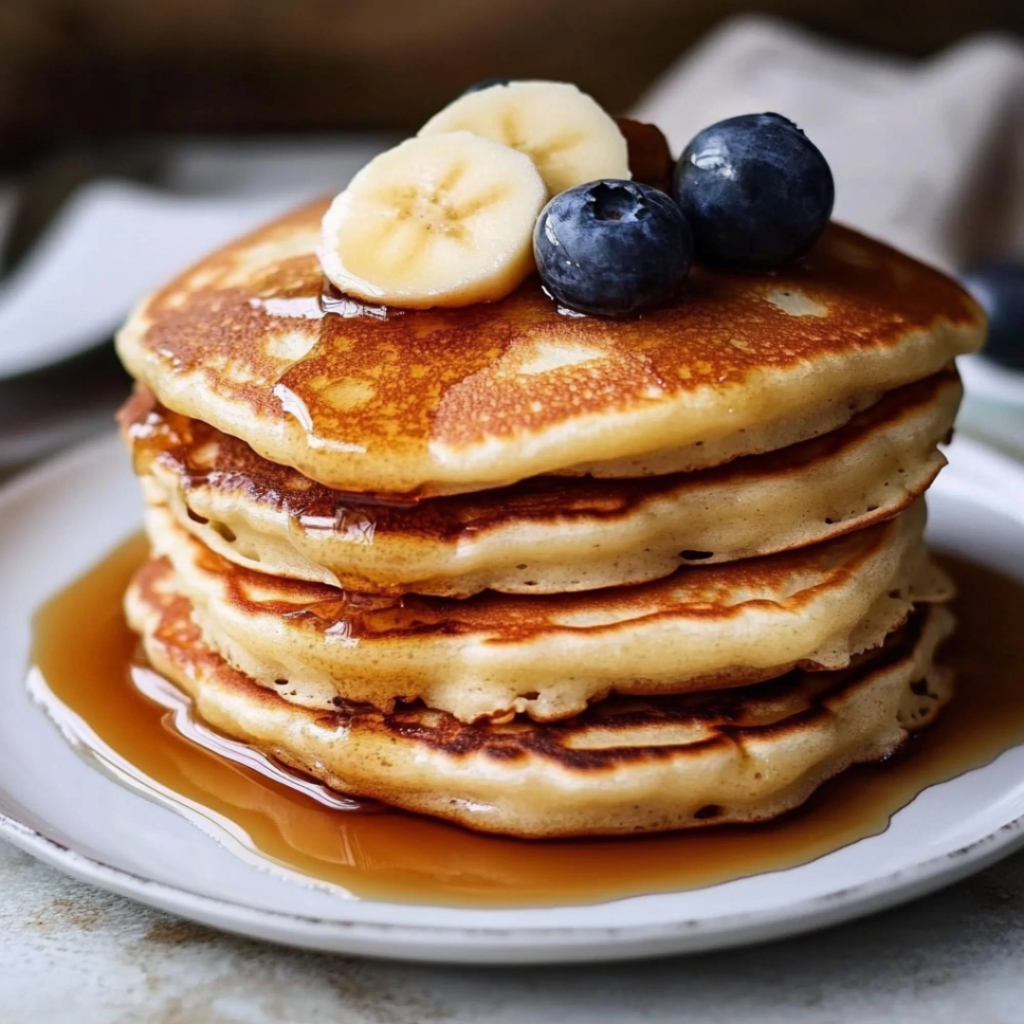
{"x": 486, "y": 83}
{"x": 612, "y": 247}
{"x": 999, "y": 288}
{"x": 756, "y": 191}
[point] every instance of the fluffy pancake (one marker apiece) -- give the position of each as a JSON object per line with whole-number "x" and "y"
{"x": 434, "y": 401}
{"x": 550, "y": 656}
{"x": 548, "y": 534}
{"x": 625, "y": 765}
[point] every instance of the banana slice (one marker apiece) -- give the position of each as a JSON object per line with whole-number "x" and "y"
{"x": 440, "y": 221}
{"x": 564, "y": 131}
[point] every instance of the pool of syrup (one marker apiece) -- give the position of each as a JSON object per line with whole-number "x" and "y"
{"x": 86, "y": 669}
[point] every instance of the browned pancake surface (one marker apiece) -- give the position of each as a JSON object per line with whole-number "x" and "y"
{"x": 200, "y": 456}
{"x": 387, "y": 399}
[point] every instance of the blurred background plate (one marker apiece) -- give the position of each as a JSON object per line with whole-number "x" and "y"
{"x": 987, "y": 380}
{"x": 993, "y": 407}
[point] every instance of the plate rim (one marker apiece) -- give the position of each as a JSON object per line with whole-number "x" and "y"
{"x": 512, "y": 943}
{"x": 433, "y": 942}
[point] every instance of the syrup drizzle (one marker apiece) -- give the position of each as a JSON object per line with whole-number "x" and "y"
{"x": 124, "y": 717}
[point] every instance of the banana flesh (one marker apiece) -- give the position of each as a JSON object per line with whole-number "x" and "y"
{"x": 442, "y": 220}
{"x": 564, "y": 131}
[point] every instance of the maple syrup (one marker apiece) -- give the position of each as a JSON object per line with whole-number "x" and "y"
{"x": 86, "y": 670}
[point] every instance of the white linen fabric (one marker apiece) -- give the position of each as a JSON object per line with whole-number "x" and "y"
{"x": 927, "y": 155}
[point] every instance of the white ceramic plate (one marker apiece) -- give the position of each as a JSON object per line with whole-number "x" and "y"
{"x": 64, "y": 517}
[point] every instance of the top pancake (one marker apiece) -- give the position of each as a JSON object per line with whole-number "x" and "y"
{"x": 439, "y": 401}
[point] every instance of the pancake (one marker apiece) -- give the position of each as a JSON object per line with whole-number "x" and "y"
{"x": 402, "y": 402}
{"x": 548, "y": 534}
{"x": 550, "y": 656}
{"x": 624, "y": 766}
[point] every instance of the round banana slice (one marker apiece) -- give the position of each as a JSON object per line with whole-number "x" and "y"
{"x": 565, "y": 132}
{"x": 440, "y": 221}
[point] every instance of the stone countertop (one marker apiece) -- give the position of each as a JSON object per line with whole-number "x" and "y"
{"x": 72, "y": 954}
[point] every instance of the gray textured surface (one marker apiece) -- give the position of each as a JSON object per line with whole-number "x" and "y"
{"x": 71, "y": 954}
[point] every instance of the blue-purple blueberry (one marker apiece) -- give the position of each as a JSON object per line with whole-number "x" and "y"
{"x": 612, "y": 247}
{"x": 486, "y": 83}
{"x": 756, "y": 191}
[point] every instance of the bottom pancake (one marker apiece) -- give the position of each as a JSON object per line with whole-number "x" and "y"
{"x": 625, "y": 765}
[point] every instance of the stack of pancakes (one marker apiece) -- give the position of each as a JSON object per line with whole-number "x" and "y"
{"x": 544, "y": 574}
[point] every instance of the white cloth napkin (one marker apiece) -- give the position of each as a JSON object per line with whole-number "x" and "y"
{"x": 928, "y": 155}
